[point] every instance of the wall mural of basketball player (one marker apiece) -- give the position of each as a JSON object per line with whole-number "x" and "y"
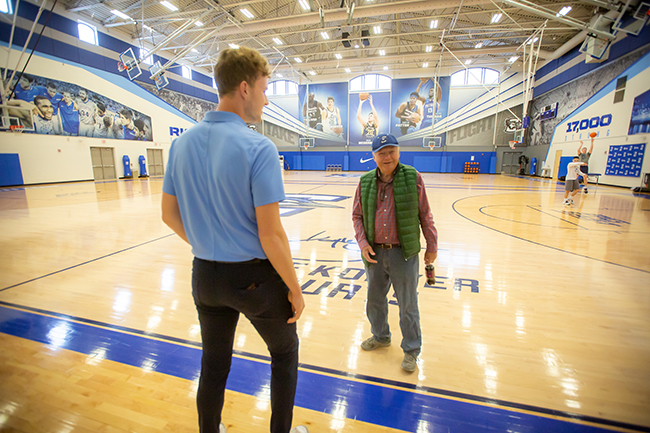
{"x": 63, "y": 108}
{"x": 416, "y": 102}
{"x": 323, "y": 108}
{"x": 370, "y": 116}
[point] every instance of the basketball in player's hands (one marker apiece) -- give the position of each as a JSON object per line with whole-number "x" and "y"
{"x": 364, "y": 95}
{"x": 593, "y": 135}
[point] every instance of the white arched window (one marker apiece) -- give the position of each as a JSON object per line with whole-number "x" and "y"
{"x": 87, "y": 33}
{"x": 370, "y": 82}
{"x": 475, "y": 77}
{"x": 282, "y": 87}
{"x": 186, "y": 72}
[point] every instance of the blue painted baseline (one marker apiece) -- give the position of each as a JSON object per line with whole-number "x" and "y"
{"x": 413, "y": 408}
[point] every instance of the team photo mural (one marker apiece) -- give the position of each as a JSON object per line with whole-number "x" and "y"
{"x": 323, "y": 107}
{"x": 53, "y": 107}
{"x": 369, "y": 114}
{"x": 417, "y": 104}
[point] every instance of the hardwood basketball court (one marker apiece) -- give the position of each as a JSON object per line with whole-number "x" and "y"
{"x": 538, "y": 321}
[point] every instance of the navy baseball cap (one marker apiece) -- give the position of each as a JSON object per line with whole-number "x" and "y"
{"x": 383, "y": 140}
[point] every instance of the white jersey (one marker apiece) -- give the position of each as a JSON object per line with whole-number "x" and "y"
{"x": 43, "y": 126}
{"x": 573, "y": 170}
{"x": 86, "y": 111}
{"x": 331, "y": 119}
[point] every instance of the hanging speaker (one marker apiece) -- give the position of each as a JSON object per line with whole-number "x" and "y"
{"x": 345, "y": 36}
{"x": 364, "y": 35}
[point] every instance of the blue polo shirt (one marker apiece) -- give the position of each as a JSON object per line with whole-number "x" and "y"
{"x": 220, "y": 171}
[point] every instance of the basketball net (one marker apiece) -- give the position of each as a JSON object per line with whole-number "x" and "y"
{"x": 512, "y": 144}
{"x": 16, "y": 128}
{"x": 121, "y": 67}
{"x": 306, "y": 145}
{"x": 431, "y": 146}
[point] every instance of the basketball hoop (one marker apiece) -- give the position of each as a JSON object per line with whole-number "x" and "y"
{"x": 432, "y": 145}
{"x": 121, "y": 67}
{"x": 512, "y": 144}
{"x": 306, "y": 145}
{"x": 16, "y": 128}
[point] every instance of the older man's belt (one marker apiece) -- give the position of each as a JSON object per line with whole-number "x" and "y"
{"x": 387, "y": 246}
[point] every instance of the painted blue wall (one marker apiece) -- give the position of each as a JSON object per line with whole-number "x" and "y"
{"x": 425, "y": 161}
{"x": 73, "y": 53}
{"x": 10, "y": 171}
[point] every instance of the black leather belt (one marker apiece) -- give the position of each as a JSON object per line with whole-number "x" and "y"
{"x": 387, "y": 246}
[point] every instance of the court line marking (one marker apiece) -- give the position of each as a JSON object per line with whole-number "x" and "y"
{"x": 86, "y": 262}
{"x": 453, "y": 206}
{"x": 545, "y": 413}
{"x": 481, "y": 210}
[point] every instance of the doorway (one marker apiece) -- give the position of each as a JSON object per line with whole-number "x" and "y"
{"x": 155, "y": 162}
{"x": 510, "y": 164}
{"x": 103, "y": 163}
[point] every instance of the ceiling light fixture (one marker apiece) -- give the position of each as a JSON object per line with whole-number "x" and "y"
{"x": 304, "y": 4}
{"x": 479, "y": 45}
{"x": 247, "y": 13}
{"x": 425, "y": 65}
{"x": 385, "y": 68}
{"x": 565, "y": 10}
{"x": 382, "y": 52}
{"x": 233, "y": 46}
{"x": 198, "y": 24}
{"x": 496, "y": 18}
{"x": 338, "y": 56}
{"x": 278, "y": 75}
{"x": 376, "y": 29}
{"x": 277, "y": 41}
{"x": 428, "y": 49}
{"x": 297, "y": 59}
{"x": 324, "y": 35}
{"x": 434, "y": 24}
{"x": 312, "y": 73}
{"x": 169, "y": 6}
{"x": 513, "y": 59}
{"x": 347, "y": 70}
{"x": 121, "y": 14}
{"x": 468, "y": 61}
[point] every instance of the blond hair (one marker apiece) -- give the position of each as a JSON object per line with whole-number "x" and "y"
{"x": 237, "y": 65}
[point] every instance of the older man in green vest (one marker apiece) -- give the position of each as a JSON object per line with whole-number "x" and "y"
{"x": 390, "y": 206}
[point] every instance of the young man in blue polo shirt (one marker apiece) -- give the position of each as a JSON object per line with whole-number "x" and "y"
{"x": 221, "y": 194}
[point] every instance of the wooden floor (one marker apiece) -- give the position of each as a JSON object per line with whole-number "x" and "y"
{"x": 540, "y": 320}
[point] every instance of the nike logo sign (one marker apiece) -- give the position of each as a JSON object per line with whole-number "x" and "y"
{"x": 364, "y": 160}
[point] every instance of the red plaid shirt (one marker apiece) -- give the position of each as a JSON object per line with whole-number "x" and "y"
{"x": 385, "y": 221}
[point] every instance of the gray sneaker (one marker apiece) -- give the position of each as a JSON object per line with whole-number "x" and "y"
{"x": 299, "y": 429}
{"x": 410, "y": 363}
{"x": 371, "y": 344}
{"x": 222, "y": 428}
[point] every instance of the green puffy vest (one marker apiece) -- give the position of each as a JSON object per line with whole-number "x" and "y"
{"x": 405, "y": 191}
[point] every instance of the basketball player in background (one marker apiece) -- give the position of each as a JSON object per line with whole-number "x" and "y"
{"x": 312, "y": 112}
{"x": 584, "y": 156}
{"x": 430, "y": 105}
{"x": 55, "y": 99}
{"x": 87, "y": 109}
{"x": 571, "y": 184}
{"x": 332, "y": 117}
{"x": 69, "y": 115}
{"x": 410, "y": 113}
{"x": 371, "y": 125}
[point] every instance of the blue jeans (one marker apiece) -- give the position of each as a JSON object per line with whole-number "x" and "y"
{"x": 403, "y": 274}
{"x": 221, "y": 291}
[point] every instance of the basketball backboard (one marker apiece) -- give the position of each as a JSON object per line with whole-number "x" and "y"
{"x": 158, "y": 75}
{"x": 11, "y": 115}
{"x": 431, "y": 142}
{"x": 306, "y": 143}
{"x": 131, "y": 63}
{"x": 519, "y": 136}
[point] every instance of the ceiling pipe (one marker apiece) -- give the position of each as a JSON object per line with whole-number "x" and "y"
{"x": 570, "y": 22}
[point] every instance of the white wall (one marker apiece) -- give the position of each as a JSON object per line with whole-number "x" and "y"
{"x": 47, "y": 158}
{"x": 599, "y": 105}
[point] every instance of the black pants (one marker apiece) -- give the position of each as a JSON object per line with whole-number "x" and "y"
{"x": 221, "y": 291}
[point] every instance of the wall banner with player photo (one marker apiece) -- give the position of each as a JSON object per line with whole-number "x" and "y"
{"x": 369, "y": 116}
{"x": 323, "y": 108}
{"x": 62, "y": 108}
{"x": 415, "y": 102}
